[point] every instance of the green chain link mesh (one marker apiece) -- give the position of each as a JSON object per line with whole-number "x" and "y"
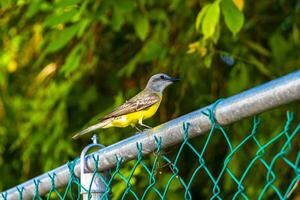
{"x": 122, "y": 185}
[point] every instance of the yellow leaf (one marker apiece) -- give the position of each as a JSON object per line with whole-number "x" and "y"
{"x": 60, "y": 26}
{"x": 46, "y": 72}
{"x": 12, "y": 66}
{"x": 239, "y": 4}
{"x": 196, "y": 47}
{"x": 193, "y": 47}
{"x": 202, "y": 51}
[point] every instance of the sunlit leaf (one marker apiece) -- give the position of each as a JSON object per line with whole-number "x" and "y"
{"x": 211, "y": 19}
{"x": 197, "y": 47}
{"x": 234, "y": 18}
{"x": 12, "y": 66}
{"x": 239, "y": 4}
{"x": 193, "y": 47}
{"x": 83, "y": 26}
{"x": 46, "y": 72}
{"x": 200, "y": 16}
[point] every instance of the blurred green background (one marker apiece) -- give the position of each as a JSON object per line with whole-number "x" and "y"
{"x": 65, "y": 63}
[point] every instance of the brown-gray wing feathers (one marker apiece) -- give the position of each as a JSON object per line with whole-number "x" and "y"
{"x": 141, "y": 101}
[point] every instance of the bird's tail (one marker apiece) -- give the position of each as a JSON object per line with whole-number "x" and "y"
{"x": 92, "y": 128}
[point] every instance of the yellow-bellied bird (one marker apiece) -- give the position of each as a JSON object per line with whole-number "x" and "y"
{"x": 142, "y": 106}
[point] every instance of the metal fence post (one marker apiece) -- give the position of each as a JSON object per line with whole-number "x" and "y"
{"x": 93, "y": 187}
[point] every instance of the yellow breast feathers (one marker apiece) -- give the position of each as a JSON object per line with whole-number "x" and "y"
{"x": 133, "y": 118}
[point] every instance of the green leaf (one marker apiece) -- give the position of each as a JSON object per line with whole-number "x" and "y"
{"x": 239, "y": 79}
{"x": 200, "y": 16}
{"x": 56, "y": 19}
{"x": 129, "y": 68}
{"x": 158, "y": 15}
{"x": 65, "y": 3}
{"x": 260, "y": 66}
{"x": 83, "y": 26}
{"x": 175, "y": 184}
{"x": 117, "y": 19}
{"x": 73, "y": 60}
{"x": 207, "y": 61}
{"x": 62, "y": 38}
{"x": 279, "y": 47}
{"x": 126, "y": 5}
{"x": 6, "y": 4}
{"x": 217, "y": 33}
{"x": 211, "y": 19}
{"x": 151, "y": 50}
{"x": 33, "y": 8}
{"x": 234, "y": 18}
{"x": 258, "y": 48}
{"x": 141, "y": 26}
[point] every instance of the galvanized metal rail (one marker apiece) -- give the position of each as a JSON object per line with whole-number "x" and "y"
{"x": 253, "y": 101}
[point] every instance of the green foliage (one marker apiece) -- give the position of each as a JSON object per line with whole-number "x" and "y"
{"x": 211, "y": 19}
{"x": 233, "y": 17}
{"x": 141, "y": 26}
{"x": 65, "y": 63}
{"x": 145, "y": 178}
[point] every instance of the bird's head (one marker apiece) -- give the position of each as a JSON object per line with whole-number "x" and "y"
{"x": 159, "y": 82}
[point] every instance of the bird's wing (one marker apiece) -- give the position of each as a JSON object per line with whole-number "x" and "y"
{"x": 139, "y": 102}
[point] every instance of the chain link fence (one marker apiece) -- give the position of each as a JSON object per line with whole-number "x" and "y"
{"x": 274, "y": 163}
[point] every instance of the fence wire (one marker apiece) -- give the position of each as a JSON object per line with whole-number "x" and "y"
{"x": 124, "y": 184}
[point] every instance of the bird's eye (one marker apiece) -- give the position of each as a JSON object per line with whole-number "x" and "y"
{"x": 162, "y": 77}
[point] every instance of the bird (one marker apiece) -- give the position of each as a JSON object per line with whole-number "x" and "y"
{"x": 140, "y": 107}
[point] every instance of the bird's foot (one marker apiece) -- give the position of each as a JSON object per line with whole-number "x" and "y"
{"x": 139, "y": 130}
{"x": 146, "y": 126}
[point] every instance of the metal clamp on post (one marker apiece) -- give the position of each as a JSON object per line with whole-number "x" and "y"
{"x": 93, "y": 187}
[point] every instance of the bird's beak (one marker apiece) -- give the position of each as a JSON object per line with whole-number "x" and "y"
{"x": 173, "y": 79}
